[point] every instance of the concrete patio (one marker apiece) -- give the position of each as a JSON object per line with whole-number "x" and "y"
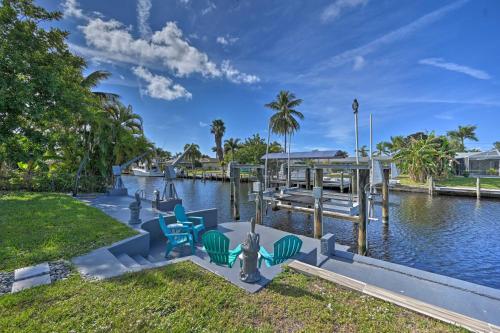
{"x": 147, "y": 251}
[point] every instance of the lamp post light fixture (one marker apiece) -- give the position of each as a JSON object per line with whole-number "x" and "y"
{"x": 355, "y": 106}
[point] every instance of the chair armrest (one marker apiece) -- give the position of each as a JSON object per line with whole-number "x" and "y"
{"x": 198, "y": 219}
{"x": 266, "y": 255}
{"x": 186, "y": 224}
{"x": 236, "y": 251}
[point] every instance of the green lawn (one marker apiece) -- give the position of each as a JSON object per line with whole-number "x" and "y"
{"x": 185, "y": 298}
{"x": 37, "y": 227}
{"x": 490, "y": 183}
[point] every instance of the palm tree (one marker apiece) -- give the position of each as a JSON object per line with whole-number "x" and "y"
{"x": 218, "y": 129}
{"x": 93, "y": 79}
{"x": 124, "y": 125}
{"x": 463, "y": 132}
{"x": 397, "y": 142}
{"x": 231, "y": 145}
{"x": 496, "y": 144}
{"x": 383, "y": 148}
{"x": 363, "y": 151}
{"x": 193, "y": 154}
{"x": 283, "y": 121}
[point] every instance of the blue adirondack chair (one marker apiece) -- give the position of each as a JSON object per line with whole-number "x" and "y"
{"x": 177, "y": 235}
{"x": 284, "y": 249}
{"x": 189, "y": 221}
{"x": 216, "y": 244}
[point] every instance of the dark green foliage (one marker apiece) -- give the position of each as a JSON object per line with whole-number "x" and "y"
{"x": 50, "y": 118}
{"x": 253, "y": 148}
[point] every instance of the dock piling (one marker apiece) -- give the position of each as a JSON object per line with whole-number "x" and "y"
{"x": 318, "y": 203}
{"x": 341, "y": 181}
{"x": 236, "y": 193}
{"x": 478, "y": 188}
{"x": 308, "y": 178}
{"x": 430, "y": 180}
{"x": 362, "y": 202}
{"x": 385, "y": 197}
{"x": 259, "y": 199}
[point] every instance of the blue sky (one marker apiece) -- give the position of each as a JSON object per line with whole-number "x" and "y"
{"x": 416, "y": 65}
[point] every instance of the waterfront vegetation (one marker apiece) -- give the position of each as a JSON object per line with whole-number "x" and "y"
{"x": 38, "y": 227}
{"x": 52, "y": 119}
{"x": 183, "y": 297}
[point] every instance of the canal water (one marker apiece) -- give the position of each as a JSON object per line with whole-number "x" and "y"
{"x": 453, "y": 236}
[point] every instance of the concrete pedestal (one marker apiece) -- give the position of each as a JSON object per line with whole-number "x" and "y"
{"x": 167, "y": 205}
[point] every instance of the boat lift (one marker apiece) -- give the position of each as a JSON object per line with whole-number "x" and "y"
{"x": 316, "y": 201}
{"x": 169, "y": 197}
{"x": 119, "y": 188}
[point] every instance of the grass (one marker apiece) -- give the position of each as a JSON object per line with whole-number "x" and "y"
{"x": 456, "y": 181}
{"x": 38, "y": 227}
{"x": 185, "y": 298}
{"x": 489, "y": 183}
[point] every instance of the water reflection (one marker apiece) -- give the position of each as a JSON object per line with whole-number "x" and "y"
{"x": 458, "y": 237}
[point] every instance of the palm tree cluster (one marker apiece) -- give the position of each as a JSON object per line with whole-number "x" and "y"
{"x": 52, "y": 120}
{"x": 421, "y": 155}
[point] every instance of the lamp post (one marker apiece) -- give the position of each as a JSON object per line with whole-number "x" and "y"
{"x": 266, "y": 185}
{"x": 355, "y": 106}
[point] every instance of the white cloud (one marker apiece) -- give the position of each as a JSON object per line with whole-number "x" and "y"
{"x": 226, "y": 40}
{"x": 211, "y": 6}
{"x": 440, "y": 63}
{"x": 202, "y": 124}
{"x": 333, "y": 11}
{"x": 143, "y": 11}
{"x": 393, "y": 36}
{"x": 71, "y": 9}
{"x": 166, "y": 46}
{"x": 359, "y": 63}
{"x": 159, "y": 86}
{"x": 234, "y": 75}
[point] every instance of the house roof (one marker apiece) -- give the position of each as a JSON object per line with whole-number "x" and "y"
{"x": 209, "y": 160}
{"x": 311, "y": 155}
{"x": 492, "y": 154}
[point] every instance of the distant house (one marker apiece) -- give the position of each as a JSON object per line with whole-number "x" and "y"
{"x": 479, "y": 163}
{"x": 209, "y": 163}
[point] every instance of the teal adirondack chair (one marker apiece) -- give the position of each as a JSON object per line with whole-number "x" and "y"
{"x": 177, "y": 235}
{"x": 189, "y": 221}
{"x": 216, "y": 244}
{"x": 284, "y": 249}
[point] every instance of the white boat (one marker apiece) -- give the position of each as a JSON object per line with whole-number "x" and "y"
{"x": 145, "y": 172}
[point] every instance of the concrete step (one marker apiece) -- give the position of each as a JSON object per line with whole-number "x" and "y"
{"x": 127, "y": 261}
{"x": 141, "y": 260}
{"x": 155, "y": 259}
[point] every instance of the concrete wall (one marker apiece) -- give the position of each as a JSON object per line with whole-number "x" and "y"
{"x": 134, "y": 245}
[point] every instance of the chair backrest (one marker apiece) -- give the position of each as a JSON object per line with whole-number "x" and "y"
{"x": 170, "y": 230}
{"x": 217, "y": 246}
{"x": 180, "y": 213}
{"x": 285, "y": 248}
{"x": 163, "y": 224}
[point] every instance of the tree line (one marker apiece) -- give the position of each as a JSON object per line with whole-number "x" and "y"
{"x": 51, "y": 117}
